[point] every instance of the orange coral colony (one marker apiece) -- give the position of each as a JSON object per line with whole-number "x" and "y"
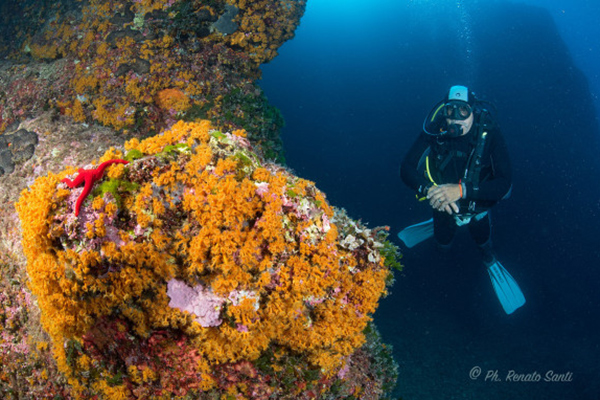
{"x": 173, "y": 99}
{"x": 200, "y": 252}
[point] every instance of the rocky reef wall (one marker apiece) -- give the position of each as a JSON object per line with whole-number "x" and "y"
{"x": 139, "y": 66}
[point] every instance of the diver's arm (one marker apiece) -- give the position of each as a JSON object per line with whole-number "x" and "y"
{"x": 499, "y": 184}
{"x": 409, "y": 171}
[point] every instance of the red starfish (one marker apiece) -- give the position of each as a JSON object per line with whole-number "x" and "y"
{"x": 89, "y": 176}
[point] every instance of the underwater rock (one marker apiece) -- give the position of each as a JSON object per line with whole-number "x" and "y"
{"x": 200, "y": 245}
{"x": 6, "y": 164}
{"x": 225, "y": 23}
{"x": 156, "y": 15}
{"x": 202, "y": 32}
{"x": 15, "y": 148}
{"x": 139, "y": 66}
{"x": 115, "y": 36}
{"x": 204, "y": 15}
{"x": 125, "y": 17}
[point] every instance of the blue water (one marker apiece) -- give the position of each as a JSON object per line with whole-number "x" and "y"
{"x": 354, "y": 86}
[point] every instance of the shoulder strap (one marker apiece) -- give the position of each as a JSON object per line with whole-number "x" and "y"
{"x": 475, "y": 164}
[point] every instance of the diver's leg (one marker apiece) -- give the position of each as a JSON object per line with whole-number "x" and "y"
{"x": 481, "y": 232}
{"x": 444, "y": 229}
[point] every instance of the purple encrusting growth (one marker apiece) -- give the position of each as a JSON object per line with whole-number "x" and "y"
{"x": 205, "y": 305}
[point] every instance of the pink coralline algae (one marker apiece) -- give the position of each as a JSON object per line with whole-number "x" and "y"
{"x": 262, "y": 188}
{"x": 204, "y": 304}
{"x": 326, "y": 224}
{"x": 345, "y": 369}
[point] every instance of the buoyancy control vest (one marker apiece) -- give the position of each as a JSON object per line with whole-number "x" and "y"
{"x": 443, "y": 155}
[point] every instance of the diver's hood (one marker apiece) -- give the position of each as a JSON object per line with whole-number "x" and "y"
{"x": 436, "y": 123}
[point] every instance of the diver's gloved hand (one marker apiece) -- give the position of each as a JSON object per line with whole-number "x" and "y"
{"x": 444, "y": 197}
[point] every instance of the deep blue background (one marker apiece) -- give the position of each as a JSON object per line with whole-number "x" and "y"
{"x": 354, "y": 87}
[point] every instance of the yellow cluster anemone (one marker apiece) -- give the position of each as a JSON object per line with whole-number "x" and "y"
{"x": 198, "y": 253}
{"x": 173, "y": 99}
{"x": 265, "y": 25}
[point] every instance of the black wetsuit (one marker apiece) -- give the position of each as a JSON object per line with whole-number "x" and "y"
{"x": 448, "y": 160}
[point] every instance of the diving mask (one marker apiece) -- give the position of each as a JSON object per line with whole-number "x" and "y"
{"x": 443, "y": 119}
{"x": 457, "y": 110}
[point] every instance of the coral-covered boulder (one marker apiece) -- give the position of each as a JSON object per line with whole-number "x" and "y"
{"x": 196, "y": 268}
{"x": 199, "y": 269}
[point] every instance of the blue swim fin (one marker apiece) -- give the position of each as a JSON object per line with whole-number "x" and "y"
{"x": 508, "y": 291}
{"x": 417, "y": 233}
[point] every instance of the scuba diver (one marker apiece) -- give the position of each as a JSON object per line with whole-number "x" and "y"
{"x": 459, "y": 164}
